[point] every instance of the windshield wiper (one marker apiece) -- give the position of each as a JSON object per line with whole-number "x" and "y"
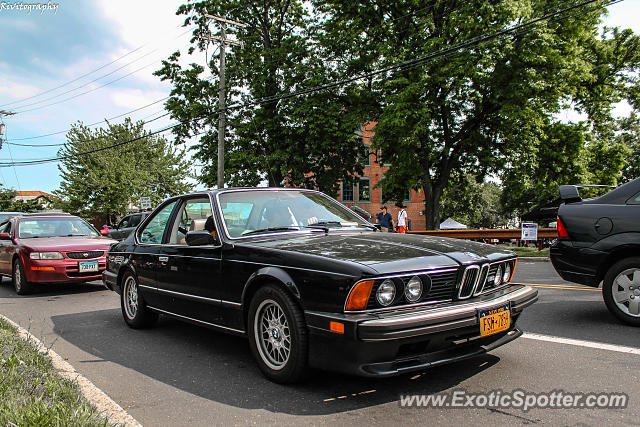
{"x": 262, "y": 230}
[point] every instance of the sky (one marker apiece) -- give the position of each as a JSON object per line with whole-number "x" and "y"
{"x": 46, "y": 50}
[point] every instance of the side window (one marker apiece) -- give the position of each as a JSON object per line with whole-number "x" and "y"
{"x": 6, "y": 228}
{"x": 135, "y": 220}
{"x": 124, "y": 222}
{"x": 154, "y": 230}
{"x": 192, "y": 216}
{"x": 634, "y": 200}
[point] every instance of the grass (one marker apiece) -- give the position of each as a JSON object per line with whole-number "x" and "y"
{"x": 32, "y": 394}
{"x": 527, "y": 251}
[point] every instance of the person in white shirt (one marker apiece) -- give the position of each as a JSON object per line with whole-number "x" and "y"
{"x": 402, "y": 219}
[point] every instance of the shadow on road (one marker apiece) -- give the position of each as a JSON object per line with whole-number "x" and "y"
{"x": 52, "y": 289}
{"x": 220, "y": 367}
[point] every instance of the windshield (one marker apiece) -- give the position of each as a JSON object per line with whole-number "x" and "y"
{"x": 268, "y": 211}
{"x": 54, "y": 227}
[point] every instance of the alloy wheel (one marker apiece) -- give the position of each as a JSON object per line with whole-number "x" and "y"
{"x": 272, "y": 334}
{"x": 131, "y": 297}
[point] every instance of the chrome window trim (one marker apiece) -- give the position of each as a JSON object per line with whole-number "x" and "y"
{"x": 195, "y": 320}
{"x": 301, "y": 231}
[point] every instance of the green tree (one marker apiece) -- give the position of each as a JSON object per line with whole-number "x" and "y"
{"x": 306, "y": 140}
{"x": 107, "y": 180}
{"x": 477, "y": 205}
{"x": 629, "y": 135}
{"x": 480, "y": 108}
{"x": 6, "y": 199}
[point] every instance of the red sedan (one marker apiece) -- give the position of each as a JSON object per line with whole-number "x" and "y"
{"x": 50, "y": 248}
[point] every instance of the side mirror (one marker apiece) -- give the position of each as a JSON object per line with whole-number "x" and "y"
{"x": 199, "y": 238}
{"x": 4, "y": 236}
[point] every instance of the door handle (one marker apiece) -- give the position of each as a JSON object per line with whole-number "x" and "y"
{"x": 163, "y": 258}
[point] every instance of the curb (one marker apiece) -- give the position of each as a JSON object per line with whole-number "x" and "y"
{"x": 99, "y": 399}
{"x": 534, "y": 258}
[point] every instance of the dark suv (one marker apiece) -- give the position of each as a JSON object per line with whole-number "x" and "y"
{"x": 127, "y": 225}
{"x": 599, "y": 241}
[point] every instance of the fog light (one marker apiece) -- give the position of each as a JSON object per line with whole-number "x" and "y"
{"x": 386, "y": 292}
{"x": 413, "y": 290}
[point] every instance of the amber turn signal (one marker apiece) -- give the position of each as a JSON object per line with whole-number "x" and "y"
{"x": 513, "y": 270}
{"x": 359, "y": 296}
{"x": 43, "y": 268}
{"x": 336, "y": 327}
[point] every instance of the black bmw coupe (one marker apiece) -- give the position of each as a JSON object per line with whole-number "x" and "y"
{"x": 312, "y": 284}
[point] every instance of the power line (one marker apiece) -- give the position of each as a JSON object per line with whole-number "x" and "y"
{"x": 411, "y": 63}
{"x": 89, "y": 125}
{"x": 86, "y": 74}
{"x": 59, "y": 144}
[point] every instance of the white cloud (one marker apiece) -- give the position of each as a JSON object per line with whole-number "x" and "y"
{"x": 14, "y": 90}
{"x": 130, "y": 99}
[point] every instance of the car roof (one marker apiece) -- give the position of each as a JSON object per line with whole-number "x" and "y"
{"x": 43, "y": 214}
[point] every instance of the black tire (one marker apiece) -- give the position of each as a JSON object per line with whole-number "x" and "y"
{"x": 269, "y": 343}
{"x": 134, "y": 309}
{"x": 20, "y": 283}
{"x": 622, "y": 295}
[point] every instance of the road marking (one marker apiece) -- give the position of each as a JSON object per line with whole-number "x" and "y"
{"x": 581, "y": 343}
{"x": 564, "y": 287}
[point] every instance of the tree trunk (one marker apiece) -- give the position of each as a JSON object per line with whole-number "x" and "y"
{"x": 432, "y": 195}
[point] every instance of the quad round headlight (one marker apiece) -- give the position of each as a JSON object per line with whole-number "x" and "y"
{"x": 386, "y": 292}
{"x": 497, "y": 280}
{"x": 507, "y": 273}
{"x": 413, "y": 290}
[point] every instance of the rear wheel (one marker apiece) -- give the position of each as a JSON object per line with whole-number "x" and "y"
{"x": 621, "y": 290}
{"x": 278, "y": 335}
{"x": 20, "y": 283}
{"x": 134, "y": 310}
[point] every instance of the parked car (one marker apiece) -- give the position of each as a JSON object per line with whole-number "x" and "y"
{"x": 49, "y": 248}
{"x": 599, "y": 242}
{"x": 310, "y": 283}
{"x": 126, "y": 225}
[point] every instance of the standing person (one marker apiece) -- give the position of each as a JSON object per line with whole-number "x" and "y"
{"x": 402, "y": 218}
{"x": 385, "y": 219}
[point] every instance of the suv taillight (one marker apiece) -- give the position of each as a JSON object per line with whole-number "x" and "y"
{"x": 562, "y": 230}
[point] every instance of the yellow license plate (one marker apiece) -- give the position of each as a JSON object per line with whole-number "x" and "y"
{"x": 494, "y": 320}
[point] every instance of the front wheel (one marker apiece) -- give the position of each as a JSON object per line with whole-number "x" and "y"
{"x": 134, "y": 310}
{"x": 621, "y": 290}
{"x": 20, "y": 283}
{"x": 278, "y": 335}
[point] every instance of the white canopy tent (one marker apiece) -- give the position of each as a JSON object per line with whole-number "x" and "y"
{"x": 452, "y": 224}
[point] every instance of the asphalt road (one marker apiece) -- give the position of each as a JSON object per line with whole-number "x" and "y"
{"x": 179, "y": 374}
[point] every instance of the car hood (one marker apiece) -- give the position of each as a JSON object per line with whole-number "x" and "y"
{"x": 387, "y": 252}
{"x": 74, "y": 243}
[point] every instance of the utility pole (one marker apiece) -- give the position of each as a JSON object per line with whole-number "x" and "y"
{"x": 224, "y": 41}
{"x": 2, "y": 125}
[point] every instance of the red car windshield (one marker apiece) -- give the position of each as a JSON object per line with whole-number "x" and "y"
{"x": 54, "y": 227}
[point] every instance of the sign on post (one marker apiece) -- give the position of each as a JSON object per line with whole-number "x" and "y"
{"x": 145, "y": 202}
{"x": 529, "y": 231}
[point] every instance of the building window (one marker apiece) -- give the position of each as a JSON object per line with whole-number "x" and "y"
{"x": 364, "y": 190}
{"x": 407, "y": 197}
{"x": 366, "y": 160}
{"x": 347, "y": 192}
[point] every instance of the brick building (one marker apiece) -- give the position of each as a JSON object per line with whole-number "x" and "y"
{"x": 365, "y": 196}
